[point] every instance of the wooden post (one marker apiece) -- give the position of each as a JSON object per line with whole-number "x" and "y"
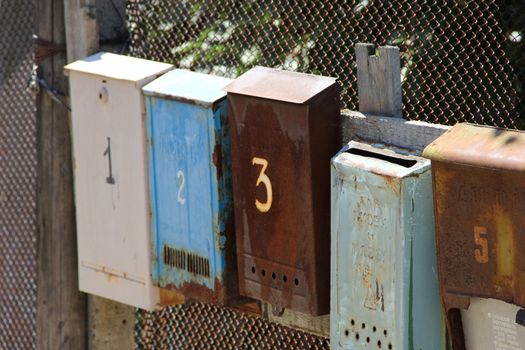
{"x": 379, "y": 80}
{"x": 61, "y": 308}
{"x": 81, "y": 28}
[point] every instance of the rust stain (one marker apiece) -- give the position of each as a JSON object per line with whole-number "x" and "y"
{"x": 217, "y": 159}
{"x": 168, "y": 298}
{"x": 479, "y": 191}
{"x": 284, "y": 251}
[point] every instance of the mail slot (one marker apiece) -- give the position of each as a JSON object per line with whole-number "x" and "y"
{"x": 384, "y": 290}
{"x": 110, "y": 170}
{"x": 190, "y": 186}
{"x": 284, "y": 129}
{"x": 479, "y": 196}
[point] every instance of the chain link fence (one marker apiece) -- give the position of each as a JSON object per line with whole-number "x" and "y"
{"x": 460, "y": 61}
{"x": 205, "y": 326}
{"x": 17, "y": 178}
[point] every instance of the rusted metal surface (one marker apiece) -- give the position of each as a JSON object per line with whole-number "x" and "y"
{"x": 281, "y": 154}
{"x": 479, "y": 191}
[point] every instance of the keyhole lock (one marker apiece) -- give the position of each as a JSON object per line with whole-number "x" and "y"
{"x": 103, "y": 94}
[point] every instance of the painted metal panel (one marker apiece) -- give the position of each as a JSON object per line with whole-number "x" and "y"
{"x": 190, "y": 186}
{"x": 384, "y": 290}
{"x": 281, "y": 152}
{"x": 110, "y": 168}
{"x": 479, "y": 191}
{"x": 491, "y": 324}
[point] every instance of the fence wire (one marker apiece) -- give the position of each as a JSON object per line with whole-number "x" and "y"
{"x": 461, "y": 61}
{"x": 204, "y": 326}
{"x": 17, "y": 178}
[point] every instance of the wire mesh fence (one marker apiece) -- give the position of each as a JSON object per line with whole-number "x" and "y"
{"x": 17, "y": 178}
{"x": 205, "y": 326}
{"x": 461, "y": 60}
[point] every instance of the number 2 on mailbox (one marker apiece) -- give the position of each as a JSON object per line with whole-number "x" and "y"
{"x": 263, "y": 207}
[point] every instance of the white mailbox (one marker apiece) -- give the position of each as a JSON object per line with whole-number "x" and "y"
{"x": 110, "y": 172}
{"x": 491, "y": 324}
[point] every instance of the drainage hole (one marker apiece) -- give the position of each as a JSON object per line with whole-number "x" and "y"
{"x": 285, "y": 279}
{"x": 390, "y": 346}
{"x": 357, "y": 336}
{"x": 253, "y": 269}
{"x": 263, "y": 273}
{"x": 374, "y": 329}
{"x": 352, "y": 322}
{"x": 379, "y": 344}
{"x": 296, "y": 281}
{"x": 274, "y": 276}
{"x": 363, "y": 325}
{"x": 368, "y": 339}
{"x": 385, "y": 332}
{"x": 347, "y": 332}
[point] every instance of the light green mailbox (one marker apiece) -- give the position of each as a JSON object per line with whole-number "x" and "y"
{"x": 384, "y": 287}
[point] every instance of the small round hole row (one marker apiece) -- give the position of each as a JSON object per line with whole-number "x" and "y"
{"x": 368, "y": 339}
{"x": 274, "y": 276}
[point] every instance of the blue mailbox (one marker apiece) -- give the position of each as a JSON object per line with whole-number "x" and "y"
{"x": 190, "y": 186}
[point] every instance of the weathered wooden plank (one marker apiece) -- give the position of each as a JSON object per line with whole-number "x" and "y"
{"x": 61, "y": 309}
{"x": 379, "y": 80}
{"x": 81, "y": 28}
{"x": 398, "y": 132}
{"x": 319, "y": 325}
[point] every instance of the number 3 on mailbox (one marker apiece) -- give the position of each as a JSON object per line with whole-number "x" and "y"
{"x": 263, "y": 207}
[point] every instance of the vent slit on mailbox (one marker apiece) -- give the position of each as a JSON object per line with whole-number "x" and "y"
{"x": 179, "y": 259}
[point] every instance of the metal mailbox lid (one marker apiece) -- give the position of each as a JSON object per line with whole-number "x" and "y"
{"x": 187, "y": 86}
{"x": 190, "y": 187}
{"x": 119, "y": 67}
{"x": 279, "y": 85}
{"x": 480, "y": 146}
{"x": 281, "y": 154}
{"x": 491, "y": 324}
{"x": 384, "y": 288}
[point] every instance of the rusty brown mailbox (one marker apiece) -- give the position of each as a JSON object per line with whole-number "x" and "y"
{"x": 284, "y": 129}
{"x": 479, "y": 197}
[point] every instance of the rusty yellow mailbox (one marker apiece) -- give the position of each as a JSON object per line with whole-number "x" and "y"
{"x": 479, "y": 196}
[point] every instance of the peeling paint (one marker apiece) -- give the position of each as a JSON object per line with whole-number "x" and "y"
{"x": 190, "y": 187}
{"x": 383, "y": 293}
